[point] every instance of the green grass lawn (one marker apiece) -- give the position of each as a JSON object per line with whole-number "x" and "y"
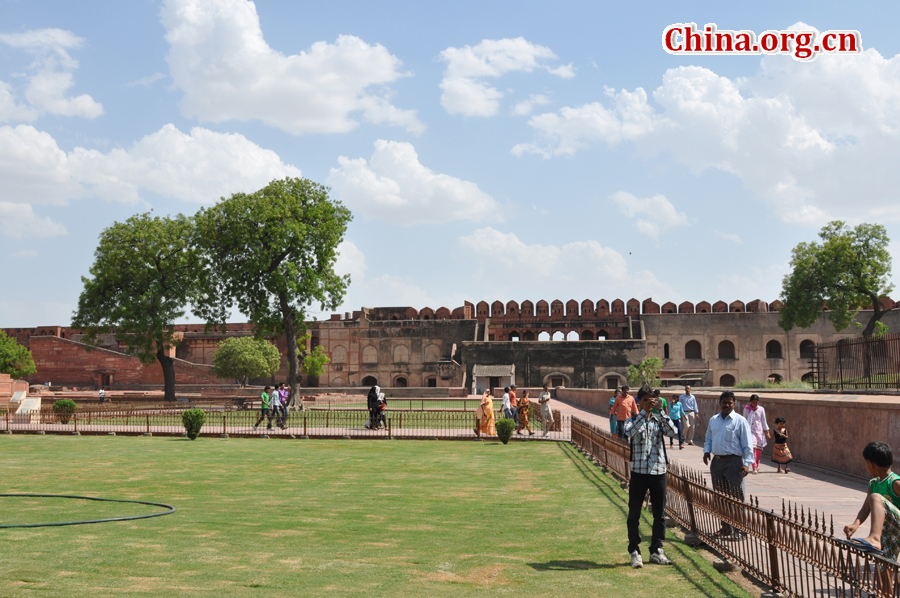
{"x": 325, "y": 518}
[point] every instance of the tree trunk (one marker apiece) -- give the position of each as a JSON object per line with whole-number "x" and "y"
{"x": 876, "y": 316}
{"x": 290, "y": 331}
{"x": 168, "y": 368}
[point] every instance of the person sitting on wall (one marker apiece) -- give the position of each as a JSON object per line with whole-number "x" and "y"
{"x": 882, "y": 503}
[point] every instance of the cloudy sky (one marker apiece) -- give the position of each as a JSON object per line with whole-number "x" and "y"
{"x": 505, "y": 150}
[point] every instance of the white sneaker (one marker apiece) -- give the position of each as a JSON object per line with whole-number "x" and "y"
{"x": 636, "y": 561}
{"x": 659, "y": 558}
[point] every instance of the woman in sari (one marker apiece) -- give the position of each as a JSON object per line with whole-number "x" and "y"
{"x": 484, "y": 416}
{"x": 524, "y": 409}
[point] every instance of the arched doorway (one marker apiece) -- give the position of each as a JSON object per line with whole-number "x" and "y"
{"x": 775, "y": 378}
{"x": 726, "y": 380}
{"x": 587, "y": 335}
{"x": 401, "y": 382}
{"x": 693, "y": 350}
{"x": 369, "y": 381}
{"x": 528, "y": 335}
{"x": 572, "y": 336}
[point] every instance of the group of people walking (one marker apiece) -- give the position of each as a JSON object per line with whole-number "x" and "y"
{"x": 518, "y": 410}
{"x": 732, "y": 448}
{"x": 274, "y": 406}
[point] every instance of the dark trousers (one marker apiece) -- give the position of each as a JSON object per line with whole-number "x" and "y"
{"x": 637, "y": 490}
{"x": 677, "y": 423}
{"x": 620, "y": 428}
{"x": 263, "y": 414}
{"x": 727, "y": 477}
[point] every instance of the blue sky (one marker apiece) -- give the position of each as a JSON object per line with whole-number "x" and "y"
{"x": 504, "y": 150}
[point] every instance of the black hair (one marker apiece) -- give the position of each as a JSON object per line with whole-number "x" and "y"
{"x": 505, "y": 389}
{"x": 879, "y": 453}
{"x": 625, "y": 388}
{"x": 675, "y": 397}
{"x": 643, "y": 391}
{"x": 754, "y": 398}
{"x": 727, "y": 395}
{"x": 780, "y": 420}
{"x": 266, "y": 388}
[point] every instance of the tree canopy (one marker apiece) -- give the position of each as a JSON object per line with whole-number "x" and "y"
{"x": 15, "y": 359}
{"x": 271, "y": 254}
{"x": 144, "y": 273}
{"x": 646, "y": 373}
{"x": 848, "y": 270}
{"x": 243, "y": 356}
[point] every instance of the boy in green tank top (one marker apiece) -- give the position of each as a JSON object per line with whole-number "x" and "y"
{"x": 882, "y": 504}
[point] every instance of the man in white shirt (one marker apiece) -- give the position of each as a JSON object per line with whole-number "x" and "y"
{"x": 507, "y": 407}
{"x": 546, "y": 413}
{"x": 689, "y": 405}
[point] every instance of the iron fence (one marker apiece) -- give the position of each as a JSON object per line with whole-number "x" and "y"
{"x": 794, "y": 552}
{"x": 309, "y": 423}
{"x": 858, "y": 363}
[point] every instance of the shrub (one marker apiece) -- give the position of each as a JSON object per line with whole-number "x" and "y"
{"x": 505, "y": 428}
{"x": 757, "y": 384}
{"x": 193, "y": 420}
{"x": 64, "y": 409}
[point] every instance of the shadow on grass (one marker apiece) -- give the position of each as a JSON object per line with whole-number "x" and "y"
{"x": 686, "y": 566}
{"x": 571, "y": 566}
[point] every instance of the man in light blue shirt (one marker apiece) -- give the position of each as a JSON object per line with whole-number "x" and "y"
{"x": 689, "y": 405}
{"x": 729, "y": 443}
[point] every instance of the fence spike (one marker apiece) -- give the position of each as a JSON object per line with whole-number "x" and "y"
{"x": 832, "y": 525}
{"x": 782, "y": 508}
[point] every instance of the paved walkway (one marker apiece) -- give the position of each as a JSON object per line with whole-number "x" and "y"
{"x": 833, "y": 493}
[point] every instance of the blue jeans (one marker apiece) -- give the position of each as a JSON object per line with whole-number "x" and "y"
{"x": 677, "y": 423}
{"x": 509, "y": 413}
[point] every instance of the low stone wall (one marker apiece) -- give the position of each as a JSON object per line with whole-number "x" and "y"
{"x": 828, "y": 430}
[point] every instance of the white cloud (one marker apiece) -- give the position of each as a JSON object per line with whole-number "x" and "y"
{"x": 49, "y": 78}
{"x": 525, "y": 107}
{"x": 653, "y": 213}
{"x": 814, "y": 140}
{"x": 227, "y": 70}
{"x": 350, "y": 261}
{"x": 25, "y": 253}
{"x": 736, "y": 239}
{"x": 147, "y": 81}
{"x": 199, "y": 167}
{"x": 465, "y": 93}
{"x": 396, "y": 187}
{"x": 18, "y": 221}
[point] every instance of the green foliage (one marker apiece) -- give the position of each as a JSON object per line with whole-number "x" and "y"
{"x": 193, "y": 420}
{"x": 849, "y": 269}
{"x": 772, "y": 385}
{"x": 271, "y": 254}
{"x": 145, "y": 272}
{"x": 314, "y": 362}
{"x": 15, "y": 359}
{"x": 64, "y": 408}
{"x": 646, "y": 373}
{"x": 505, "y": 428}
{"x": 238, "y": 357}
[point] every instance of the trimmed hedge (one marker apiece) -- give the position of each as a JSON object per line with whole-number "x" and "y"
{"x": 193, "y": 420}
{"x": 505, "y": 429}
{"x": 64, "y": 409}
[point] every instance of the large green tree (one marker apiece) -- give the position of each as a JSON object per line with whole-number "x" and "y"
{"x": 246, "y": 357}
{"x": 271, "y": 254}
{"x": 848, "y": 270}
{"x": 15, "y": 359}
{"x": 145, "y": 271}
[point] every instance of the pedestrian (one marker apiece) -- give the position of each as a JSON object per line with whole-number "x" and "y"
{"x": 546, "y": 412}
{"x": 646, "y": 432}
{"x": 624, "y": 407}
{"x": 372, "y": 406}
{"x": 613, "y": 423}
{"x": 675, "y": 414}
{"x": 102, "y": 395}
{"x": 663, "y": 406}
{"x": 280, "y": 406}
{"x": 524, "y": 411}
{"x": 265, "y": 409}
{"x": 730, "y": 447}
{"x": 882, "y": 503}
{"x": 514, "y": 403}
{"x": 382, "y": 411}
{"x": 781, "y": 454}
{"x": 484, "y": 416}
{"x": 506, "y": 405}
{"x": 759, "y": 428}
{"x": 689, "y": 406}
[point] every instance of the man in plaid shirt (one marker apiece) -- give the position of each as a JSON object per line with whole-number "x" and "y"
{"x": 646, "y": 432}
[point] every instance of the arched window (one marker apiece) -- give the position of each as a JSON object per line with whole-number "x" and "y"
{"x": 602, "y": 335}
{"x": 528, "y": 336}
{"x": 370, "y": 354}
{"x": 807, "y": 349}
{"x": 432, "y": 353}
{"x": 339, "y": 354}
{"x": 543, "y": 336}
{"x": 726, "y": 351}
{"x": 808, "y": 377}
{"x": 514, "y": 336}
{"x": 572, "y": 336}
{"x": 369, "y": 381}
{"x": 693, "y": 350}
{"x": 401, "y": 382}
{"x": 666, "y": 351}
{"x": 587, "y": 335}
{"x": 559, "y": 336}
{"x": 775, "y": 378}
{"x": 726, "y": 380}
{"x": 773, "y": 350}
{"x": 431, "y": 382}
{"x": 401, "y": 354}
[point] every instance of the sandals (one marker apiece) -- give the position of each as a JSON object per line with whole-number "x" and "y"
{"x": 862, "y": 545}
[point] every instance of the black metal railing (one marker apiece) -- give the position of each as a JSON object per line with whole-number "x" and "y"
{"x": 858, "y": 363}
